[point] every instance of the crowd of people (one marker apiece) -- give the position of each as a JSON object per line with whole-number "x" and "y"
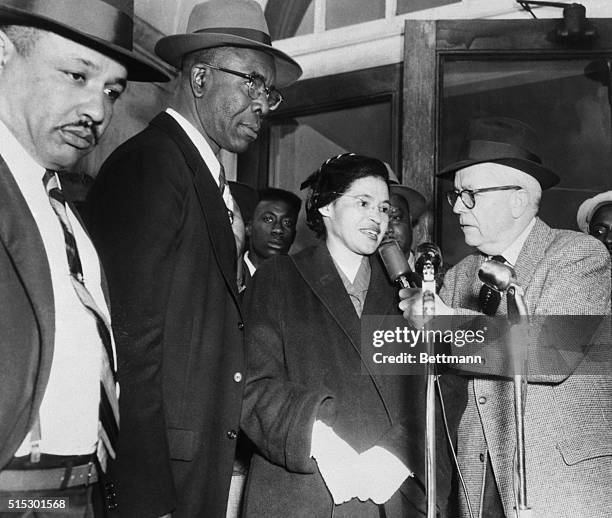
{"x": 165, "y": 355}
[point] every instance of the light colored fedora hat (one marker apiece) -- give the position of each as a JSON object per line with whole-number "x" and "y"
{"x": 234, "y": 23}
{"x": 103, "y": 25}
{"x": 588, "y": 208}
{"x": 416, "y": 201}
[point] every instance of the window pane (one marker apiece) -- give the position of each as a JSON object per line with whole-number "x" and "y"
{"x": 288, "y": 18}
{"x": 410, "y": 6}
{"x": 340, "y": 13}
{"x": 565, "y": 101}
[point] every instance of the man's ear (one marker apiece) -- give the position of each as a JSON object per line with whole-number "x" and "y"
{"x": 7, "y": 49}
{"x": 198, "y": 77}
{"x": 519, "y": 202}
{"x": 248, "y": 229}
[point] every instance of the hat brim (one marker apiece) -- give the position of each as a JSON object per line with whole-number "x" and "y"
{"x": 543, "y": 175}
{"x": 172, "y": 48}
{"x": 588, "y": 207}
{"x": 416, "y": 201}
{"x": 138, "y": 67}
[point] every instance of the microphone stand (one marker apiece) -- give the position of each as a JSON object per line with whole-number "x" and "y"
{"x": 501, "y": 278}
{"x": 429, "y": 308}
{"x": 516, "y": 306}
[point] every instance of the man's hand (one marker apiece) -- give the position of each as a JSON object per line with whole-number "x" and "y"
{"x": 411, "y": 304}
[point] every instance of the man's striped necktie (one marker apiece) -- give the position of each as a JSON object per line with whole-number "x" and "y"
{"x": 108, "y": 426}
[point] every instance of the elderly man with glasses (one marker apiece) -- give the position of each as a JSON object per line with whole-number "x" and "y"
{"x": 498, "y": 186}
{"x": 170, "y": 234}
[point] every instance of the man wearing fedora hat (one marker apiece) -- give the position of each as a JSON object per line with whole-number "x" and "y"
{"x": 594, "y": 217}
{"x": 63, "y": 65}
{"x": 498, "y": 185}
{"x": 170, "y": 233}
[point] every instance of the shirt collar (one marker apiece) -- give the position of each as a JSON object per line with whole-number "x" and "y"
{"x": 512, "y": 252}
{"x": 16, "y": 157}
{"x": 248, "y": 262}
{"x": 199, "y": 142}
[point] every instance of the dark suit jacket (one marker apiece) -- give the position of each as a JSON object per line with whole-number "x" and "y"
{"x": 305, "y": 363}
{"x": 27, "y": 321}
{"x": 161, "y": 227}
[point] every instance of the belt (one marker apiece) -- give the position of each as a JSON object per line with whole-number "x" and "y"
{"x": 46, "y": 479}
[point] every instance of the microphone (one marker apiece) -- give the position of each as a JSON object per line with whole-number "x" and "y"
{"x": 496, "y": 275}
{"x": 428, "y": 260}
{"x": 396, "y": 265}
{"x": 427, "y": 254}
{"x": 500, "y": 277}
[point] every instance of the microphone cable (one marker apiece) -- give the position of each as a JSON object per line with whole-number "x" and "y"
{"x": 452, "y": 447}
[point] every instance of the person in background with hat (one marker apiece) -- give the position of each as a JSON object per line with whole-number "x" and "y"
{"x": 63, "y": 65}
{"x": 498, "y": 185}
{"x": 407, "y": 205}
{"x": 594, "y": 217}
{"x": 170, "y": 236}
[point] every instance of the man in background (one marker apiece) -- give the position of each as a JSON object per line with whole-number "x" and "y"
{"x": 170, "y": 235}
{"x": 271, "y": 230}
{"x": 407, "y": 206}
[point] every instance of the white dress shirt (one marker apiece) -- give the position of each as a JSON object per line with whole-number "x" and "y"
{"x": 69, "y": 409}
{"x": 206, "y": 152}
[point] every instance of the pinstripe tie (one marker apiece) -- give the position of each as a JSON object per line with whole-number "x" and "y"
{"x": 108, "y": 426}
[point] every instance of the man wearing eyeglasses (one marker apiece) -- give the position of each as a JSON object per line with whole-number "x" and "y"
{"x": 170, "y": 235}
{"x": 498, "y": 185}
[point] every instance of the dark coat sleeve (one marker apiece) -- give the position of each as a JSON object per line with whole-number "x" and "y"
{"x": 278, "y": 414}
{"x": 133, "y": 212}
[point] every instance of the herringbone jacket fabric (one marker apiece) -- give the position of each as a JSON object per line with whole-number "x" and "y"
{"x": 568, "y": 421}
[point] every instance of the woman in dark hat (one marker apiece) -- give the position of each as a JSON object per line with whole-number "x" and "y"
{"x": 332, "y": 438}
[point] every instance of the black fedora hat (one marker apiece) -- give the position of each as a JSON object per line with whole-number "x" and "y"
{"x": 232, "y": 23}
{"x": 102, "y": 25}
{"x": 504, "y": 141}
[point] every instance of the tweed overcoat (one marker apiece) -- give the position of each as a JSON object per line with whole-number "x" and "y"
{"x": 304, "y": 362}
{"x": 161, "y": 228}
{"x": 568, "y": 421}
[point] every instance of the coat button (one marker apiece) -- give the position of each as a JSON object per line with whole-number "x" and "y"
{"x": 237, "y": 377}
{"x": 482, "y": 400}
{"x": 232, "y": 434}
{"x": 241, "y": 325}
{"x": 481, "y": 457}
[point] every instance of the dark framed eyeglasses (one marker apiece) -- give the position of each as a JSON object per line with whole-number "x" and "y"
{"x": 256, "y": 86}
{"x": 468, "y": 197}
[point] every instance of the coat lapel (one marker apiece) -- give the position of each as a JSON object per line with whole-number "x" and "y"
{"x": 318, "y": 270}
{"x": 20, "y": 236}
{"x": 532, "y": 253}
{"x": 211, "y": 203}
